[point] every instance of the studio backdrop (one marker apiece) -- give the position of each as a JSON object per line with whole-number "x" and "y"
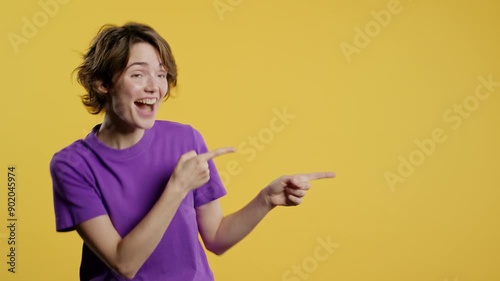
{"x": 400, "y": 98}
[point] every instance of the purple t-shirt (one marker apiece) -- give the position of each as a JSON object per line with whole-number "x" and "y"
{"x": 91, "y": 179}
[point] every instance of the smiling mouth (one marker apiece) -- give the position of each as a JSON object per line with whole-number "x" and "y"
{"x": 146, "y": 105}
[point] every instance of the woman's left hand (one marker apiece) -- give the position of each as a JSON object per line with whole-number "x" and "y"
{"x": 290, "y": 190}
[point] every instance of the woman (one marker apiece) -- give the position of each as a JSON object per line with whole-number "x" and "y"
{"x": 139, "y": 191}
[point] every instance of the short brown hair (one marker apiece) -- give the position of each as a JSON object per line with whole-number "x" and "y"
{"x": 108, "y": 56}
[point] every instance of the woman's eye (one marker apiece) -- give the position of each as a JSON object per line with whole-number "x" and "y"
{"x": 136, "y": 75}
{"x": 162, "y": 75}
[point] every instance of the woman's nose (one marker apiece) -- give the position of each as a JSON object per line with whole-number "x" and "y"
{"x": 151, "y": 85}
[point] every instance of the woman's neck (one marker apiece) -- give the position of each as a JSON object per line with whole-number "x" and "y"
{"x": 116, "y": 136}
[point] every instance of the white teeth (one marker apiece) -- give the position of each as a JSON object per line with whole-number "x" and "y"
{"x": 147, "y": 101}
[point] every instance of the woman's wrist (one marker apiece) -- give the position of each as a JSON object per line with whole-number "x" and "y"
{"x": 175, "y": 190}
{"x": 265, "y": 199}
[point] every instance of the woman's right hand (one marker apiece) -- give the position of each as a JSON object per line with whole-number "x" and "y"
{"x": 192, "y": 170}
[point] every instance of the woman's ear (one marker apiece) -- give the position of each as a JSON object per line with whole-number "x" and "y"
{"x": 101, "y": 89}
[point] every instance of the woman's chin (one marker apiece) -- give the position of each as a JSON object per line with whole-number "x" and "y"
{"x": 146, "y": 124}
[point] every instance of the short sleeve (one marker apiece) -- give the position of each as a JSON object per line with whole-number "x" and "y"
{"x": 76, "y": 198}
{"x": 214, "y": 188}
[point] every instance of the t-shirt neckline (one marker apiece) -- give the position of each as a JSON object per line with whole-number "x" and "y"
{"x": 127, "y": 153}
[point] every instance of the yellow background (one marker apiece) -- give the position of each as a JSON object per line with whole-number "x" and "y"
{"x": 355, "y": 118}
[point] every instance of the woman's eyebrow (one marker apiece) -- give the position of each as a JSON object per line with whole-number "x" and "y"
{"x": 143, "y": 63}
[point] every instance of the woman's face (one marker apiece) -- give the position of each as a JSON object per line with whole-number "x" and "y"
{"x": 138, "y": 91}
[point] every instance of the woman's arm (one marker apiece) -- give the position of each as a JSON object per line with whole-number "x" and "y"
{"x": 127, "y": 255}
{"x": 220, "y": 233}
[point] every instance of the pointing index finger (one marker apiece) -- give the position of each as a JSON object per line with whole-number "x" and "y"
{"x": 320, "y": 175}
{"x": 216, "y": 152}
